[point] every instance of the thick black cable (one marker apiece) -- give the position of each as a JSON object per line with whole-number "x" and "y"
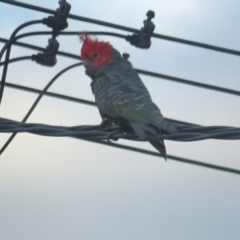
{"x": 4, "y": 73}
{"x": 148, "y": 73}
{"x": 185, "y": 132}
{"x": 120, "y": 27}
{"x": 91, "y": 132}
{"x": 37, "y": 101}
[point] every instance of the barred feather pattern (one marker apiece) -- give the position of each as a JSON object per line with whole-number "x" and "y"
{"x": 120, "y": 94}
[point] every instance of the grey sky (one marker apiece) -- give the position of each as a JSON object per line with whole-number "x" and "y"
{"x": 61, "y": 188}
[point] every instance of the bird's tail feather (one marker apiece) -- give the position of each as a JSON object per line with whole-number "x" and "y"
{"x": 160, "y": 146}
{"x": 144, "y": 131}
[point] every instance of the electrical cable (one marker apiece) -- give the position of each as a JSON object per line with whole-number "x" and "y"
{"x": 73, "y": 99}
{"x": 91, "y": 132}
{"x": 13, "y": 40}
{"x": 61, "y": 96}
{"x": 64, "y": 97}
{"x": 185, "y": 132}
{"x": 144, "y": 72}
{"x": 116, "y": 26}
{"x": 4, "y": 73}
{"x": 21, "y": 44}
{"x": 227, "y": 131}
{"x": 36, "y": 102}
{"x": 16, "y": 60}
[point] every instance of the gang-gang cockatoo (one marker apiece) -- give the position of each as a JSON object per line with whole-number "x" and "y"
{"x": 120, "y": 95}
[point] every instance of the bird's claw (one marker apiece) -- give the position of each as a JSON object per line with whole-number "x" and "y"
{"x": 110, "y": 136}
{"x": 105, "y": 123}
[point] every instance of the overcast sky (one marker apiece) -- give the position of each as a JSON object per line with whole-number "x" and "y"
{"x": 63, "y": 188}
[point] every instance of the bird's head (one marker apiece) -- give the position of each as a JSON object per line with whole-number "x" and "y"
{"x": 95, "y": 52}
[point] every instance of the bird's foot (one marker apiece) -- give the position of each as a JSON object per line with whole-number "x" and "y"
{"x": 110, "y": 135}
{"x": 105, "y": 123}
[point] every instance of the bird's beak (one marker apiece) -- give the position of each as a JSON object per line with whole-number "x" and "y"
{"x": 85, "y": 62}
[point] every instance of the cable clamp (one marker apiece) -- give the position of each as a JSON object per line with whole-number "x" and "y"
{"x": 59, "y": 21}
{"x": 48, "y": 57}
{"x": 143, "y": 38}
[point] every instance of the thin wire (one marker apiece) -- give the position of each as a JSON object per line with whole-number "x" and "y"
{"x": 175, "y": 158}
{"x": 14, "y": 34}
{"x": 66, "y": 33}
{"x": 4, "y": 73}
{"x": 16, "y": 60}
{"x": 73, "y": 99}
{"x": 41, "y": 49}
{"x": 37, "y": 101}
{"x": 191, "y": 43}
{"x": 156, "y": 154}
{"x": 61, "y": 96}
{"x": 120, "y": 27}
{"x": 189, "y": 82}
{"x": 148, "y": 73}
{"x": 13, "y": 40}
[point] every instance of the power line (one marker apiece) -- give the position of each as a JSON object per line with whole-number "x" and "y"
{"x": 173, "y": 78}
{"x": 16, "y": 60}
{"x": 73, "y": 99}
{"x": 119, "y": 145}
{"x": 21, "y": 44}
{"x": 4, "y": 73}
{"x": 36, "y": 102}
{"x": 51, "y": 94}
{"x": 148, "y": 73}
{"x": 39, "y": 128}
{"x": 120, "y": 27}
{"x": 13, "y": 40}
{"x": 175, "y": 158}
{"x": 185, "y": 133}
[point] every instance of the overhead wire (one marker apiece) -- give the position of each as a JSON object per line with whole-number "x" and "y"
{"x": 17, "y": 59}
{"x": 185, "y": 132}
{"x": 14, "y": 39}
{"x": 30, "y": 46}
{"x": 3, "y": 126}
{"x": 6, "y": 126}
{"x": 36, "y": 102}
{"x": 211, "y": 47}
{"x": 64, "y": 97}
{"x": 73, "y": 99}
{"x": 4, "y": 73}
{"x": 140, "y": 71}
{"x": 124, "y": 28}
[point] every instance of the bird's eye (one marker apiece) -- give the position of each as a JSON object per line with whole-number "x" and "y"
{"x": 95, "y": 55}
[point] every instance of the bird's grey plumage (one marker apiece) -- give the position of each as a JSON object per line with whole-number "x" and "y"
{"x": 120, "y": 94}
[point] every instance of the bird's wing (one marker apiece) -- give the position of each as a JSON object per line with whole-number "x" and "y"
{"x": 127, "y": 98}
